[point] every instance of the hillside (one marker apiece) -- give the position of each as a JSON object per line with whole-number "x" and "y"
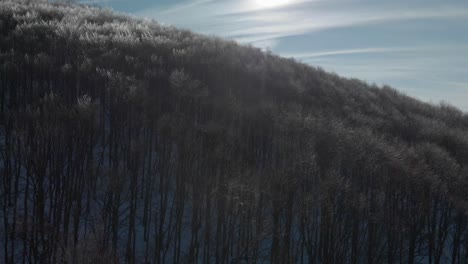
{"x": 124, "y": 141}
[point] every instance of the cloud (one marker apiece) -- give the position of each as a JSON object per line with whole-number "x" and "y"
{"x": 347, "y": 52}
{"x": 410, "y": 51}
{"x": 267, "y": 44}
{"x": 402, "y": 61}
{"x": 459, "y": 85}
{"x": 100, "y": 2}
{"x": 245, "y": 22}
{"x": 180, "y": 7}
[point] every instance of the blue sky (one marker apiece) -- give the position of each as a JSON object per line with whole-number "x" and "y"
{"x": 419, "y": 47}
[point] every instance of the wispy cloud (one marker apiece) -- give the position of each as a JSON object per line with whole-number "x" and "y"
{"x": 184, "y": 6}
{"x": 463, "y": 86}
{"x": 99, "y": 2}
{"x": 345, "y": 52}
{"x": 267, "y": 44}
{"x": 245, "y": 22}
{"x": 370, "y": 50}
{"x": 297, "y": 22}
{"x": 415, "y": 64}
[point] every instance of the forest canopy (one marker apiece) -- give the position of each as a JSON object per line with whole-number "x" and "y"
{"x": 125, "y": 141}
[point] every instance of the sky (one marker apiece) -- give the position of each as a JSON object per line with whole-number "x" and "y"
{"x": 419, "y": 47}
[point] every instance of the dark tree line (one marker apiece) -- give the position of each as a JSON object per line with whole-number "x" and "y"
{"x": 123, "y": 141}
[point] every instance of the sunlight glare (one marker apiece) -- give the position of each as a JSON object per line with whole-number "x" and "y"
{"x": 270, "y": 3}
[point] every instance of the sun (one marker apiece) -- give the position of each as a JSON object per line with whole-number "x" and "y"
{"x": 270, "y": 3}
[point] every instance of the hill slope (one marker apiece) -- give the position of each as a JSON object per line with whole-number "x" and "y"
{"x": 126, "y": 141}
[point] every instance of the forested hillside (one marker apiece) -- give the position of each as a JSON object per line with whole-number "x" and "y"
{"x": 124, "y": 141}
